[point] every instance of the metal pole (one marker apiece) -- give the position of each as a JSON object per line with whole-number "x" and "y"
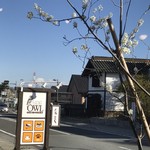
{"x": 57, "y": 91}
{"x": 57, "y": 95}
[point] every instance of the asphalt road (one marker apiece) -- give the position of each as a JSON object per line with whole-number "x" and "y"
{"x": 69, "y": 137}
{"x": 83, "y": 139}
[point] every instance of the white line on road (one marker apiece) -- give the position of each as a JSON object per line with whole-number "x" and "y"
{"x": 13, "y": 120}
{"x": 66, "y": 125}
{"x": 60, "y": 132}
{"x": 7, "y": 133}
{"x": 124, "y": 148}
{"x": 50, "y": 129}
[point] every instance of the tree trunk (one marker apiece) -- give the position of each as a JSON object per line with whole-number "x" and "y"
{"x": 136, "y": 134}
{"x": 130, "y": 82}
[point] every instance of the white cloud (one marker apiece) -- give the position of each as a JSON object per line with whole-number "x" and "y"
{"x": 40, "y": 80}
{"x": 143, "y": 37}
{"x": 1, "y": 9}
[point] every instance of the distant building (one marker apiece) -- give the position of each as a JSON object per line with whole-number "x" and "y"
{"x": 78, "y": 86}
{"x": 61, "y": 95}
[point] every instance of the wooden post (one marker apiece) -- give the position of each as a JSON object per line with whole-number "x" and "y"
{"x": 18, "y": 121}
{"x": 46, "y": 142}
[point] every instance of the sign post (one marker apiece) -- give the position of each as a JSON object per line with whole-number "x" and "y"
{"x": 33, "y": 117}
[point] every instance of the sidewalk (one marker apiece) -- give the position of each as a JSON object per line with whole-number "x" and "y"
{"x": 6, "y": 142}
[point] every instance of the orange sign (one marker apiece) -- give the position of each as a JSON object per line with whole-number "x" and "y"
{"x": 32, "y": 131}
{"x": 28, "y": 125}
{"x": 27, "y": 137}
{"x": 38, "y": 137}
{"x": 39, "y": 125}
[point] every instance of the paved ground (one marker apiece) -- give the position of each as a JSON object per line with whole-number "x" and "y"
{"x": 7, "y": 142}
{"x": 96, "y": 124}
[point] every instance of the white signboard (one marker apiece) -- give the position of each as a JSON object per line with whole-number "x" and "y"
{"x": 34, "y": 105}
{"x": 55, "y": 122}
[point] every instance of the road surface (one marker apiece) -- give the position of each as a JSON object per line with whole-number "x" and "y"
{"x": 70, "y": 137}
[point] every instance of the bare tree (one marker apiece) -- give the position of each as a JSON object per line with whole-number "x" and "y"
{"x": 97, "y": 26}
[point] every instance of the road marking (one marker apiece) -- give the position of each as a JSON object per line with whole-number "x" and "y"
{"x": 66, "y": 125}
{"x": 60, "y": 132}
{"x": 50, "y": 129}
{"x": 9, "y": 119}
{"x": 7, "y": 133}
{"x": 124, "y": 148}
{"x": 14, "y": 120}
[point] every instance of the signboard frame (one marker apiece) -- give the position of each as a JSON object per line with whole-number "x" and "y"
{"x": 39, "y": 112}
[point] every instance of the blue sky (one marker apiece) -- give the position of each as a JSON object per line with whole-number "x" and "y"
{"x": 29, "y": 46}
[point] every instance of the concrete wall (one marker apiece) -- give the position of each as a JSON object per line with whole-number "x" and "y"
{"x": 110, "y": 122}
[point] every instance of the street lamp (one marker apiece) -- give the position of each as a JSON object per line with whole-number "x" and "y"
{"x": 59, "y": 84}
{"x": 56, "y": 89}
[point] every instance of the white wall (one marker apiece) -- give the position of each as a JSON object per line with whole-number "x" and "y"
{"x": 112, "y": 103}
{"x": 113, "y": 80}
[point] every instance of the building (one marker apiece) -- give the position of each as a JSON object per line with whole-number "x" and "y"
{"x": 61, "y": 95}
{"x": 103, "y": 81}
{"x": 78, "y": 87}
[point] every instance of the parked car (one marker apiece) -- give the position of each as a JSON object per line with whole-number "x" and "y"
{"x": 3, "y": 107}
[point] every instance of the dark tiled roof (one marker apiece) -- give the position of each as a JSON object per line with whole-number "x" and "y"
{"x": 80, "y": 82}
{"x": 108, "y": 64}
{"x": 105, "y": 66}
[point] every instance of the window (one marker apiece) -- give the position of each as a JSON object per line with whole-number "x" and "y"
{"x": 95, "y": 81}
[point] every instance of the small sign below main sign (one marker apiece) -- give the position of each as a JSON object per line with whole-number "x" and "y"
{"x": 32, "y": 131}
{"x": 55, "y": 120}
